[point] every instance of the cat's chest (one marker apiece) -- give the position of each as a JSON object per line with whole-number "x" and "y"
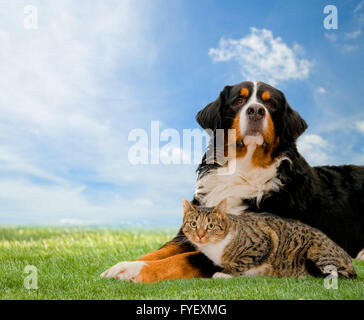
{"x": 215, "y": 250}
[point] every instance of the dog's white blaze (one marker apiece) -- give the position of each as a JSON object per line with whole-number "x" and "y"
{"x": 127, "y": 270}
{"x": 244, "y": 182}
{"x": 214, "y": 250}
{"x": 252, "y": 100}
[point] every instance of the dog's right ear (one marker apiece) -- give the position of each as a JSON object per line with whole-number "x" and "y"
{"x": 211, "y": 116}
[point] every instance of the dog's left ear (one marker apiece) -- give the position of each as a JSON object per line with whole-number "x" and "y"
{"x": 211, "y": 116}
{"x": 293, "y": 125}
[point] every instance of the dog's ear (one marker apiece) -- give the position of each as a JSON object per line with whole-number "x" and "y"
{"x": 293, "y": 125}
{"x": 211, "y": 116}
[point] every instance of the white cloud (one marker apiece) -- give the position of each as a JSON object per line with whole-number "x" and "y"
{"x": 359, "y": 6}
{"x": 347, "y": 48}
{"x": 13, "y": 163}
{"x": 358, "y": 11}
{"x": 66, "y": 106}
{"x": 314, "y": 148}
{"x": 321, "y": 90}
{"x": 349, "y": 36}
{"x": 341, "y": 41}
{"x": 353, "y": 35}
{"x": 360, "y": 126}
{"x": 331, "y": 36}
{"x": 24, "y": 202}
{"x": 261, "y": 56}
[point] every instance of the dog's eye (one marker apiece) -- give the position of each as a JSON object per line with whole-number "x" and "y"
{"x": 239, "y": 101}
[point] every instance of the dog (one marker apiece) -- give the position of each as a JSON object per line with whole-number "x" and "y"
{"x": 269, "y": 175}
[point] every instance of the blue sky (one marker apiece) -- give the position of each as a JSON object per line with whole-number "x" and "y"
{"x": 73, "y": 89}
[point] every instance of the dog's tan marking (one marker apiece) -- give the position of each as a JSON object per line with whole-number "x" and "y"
{"x": 240, "y": 150}
{"x": 244, "y": 92}
{"x": 266, "y": 95}
{"x": 174, "y": 267}
{"x": 263, "y": 158}
{"x": 168, "y": 250}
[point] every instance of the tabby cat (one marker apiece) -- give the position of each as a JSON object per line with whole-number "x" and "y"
{"x": 254, "y": 244}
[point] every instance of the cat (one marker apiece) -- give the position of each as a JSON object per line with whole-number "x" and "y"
{"x": 262, "y": 244}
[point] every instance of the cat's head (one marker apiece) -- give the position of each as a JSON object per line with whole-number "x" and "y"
{"x": 202, "y": 225}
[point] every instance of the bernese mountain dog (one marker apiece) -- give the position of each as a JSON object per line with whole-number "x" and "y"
{"x": 269, "y": 175}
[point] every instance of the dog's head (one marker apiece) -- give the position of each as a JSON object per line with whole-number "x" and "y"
{"x": 260, "y": 114}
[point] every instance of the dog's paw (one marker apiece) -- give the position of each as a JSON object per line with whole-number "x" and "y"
{"x": 128, "y": 270}
{"x": 360, "y": 255}
{"x": 221, "y": 275}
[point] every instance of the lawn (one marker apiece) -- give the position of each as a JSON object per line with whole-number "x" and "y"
{"x": 69, "y": 262}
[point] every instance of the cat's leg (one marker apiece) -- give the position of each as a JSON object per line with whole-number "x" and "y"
{"x": 265, "y": 269}
{"x": 221, "y": 275}
{"x": 329, "y": 258}
{"x": 180, "y": 266}
{"x": 360, "y": 255}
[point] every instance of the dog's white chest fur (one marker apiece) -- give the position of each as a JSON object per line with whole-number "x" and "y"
{"x": 214, "y": 250}
{"x": 240, "y": 180}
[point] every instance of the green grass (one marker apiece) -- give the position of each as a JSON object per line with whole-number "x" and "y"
{"x": 69, "y": 263}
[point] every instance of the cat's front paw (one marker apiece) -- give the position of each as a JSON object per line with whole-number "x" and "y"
{"x": 221, "y": 275}
{"x": 128, "y": 270}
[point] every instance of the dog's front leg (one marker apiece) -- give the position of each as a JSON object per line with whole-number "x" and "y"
{"x": 179, "y": 266}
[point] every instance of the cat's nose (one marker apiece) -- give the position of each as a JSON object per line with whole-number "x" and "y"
{"x": 201, "y": 233}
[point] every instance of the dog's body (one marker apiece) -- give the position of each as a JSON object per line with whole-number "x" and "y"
{"x": 266, "y": 174}
{"x": 330, "y": 198}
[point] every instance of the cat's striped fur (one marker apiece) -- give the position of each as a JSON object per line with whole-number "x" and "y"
{"x": 263, "y": 244}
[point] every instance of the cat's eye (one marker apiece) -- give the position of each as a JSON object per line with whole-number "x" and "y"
{"x": 193, "y": 224}
{"x": 211, "y": 226}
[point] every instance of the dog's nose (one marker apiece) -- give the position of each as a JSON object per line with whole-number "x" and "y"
{"x": 255, "y": 112}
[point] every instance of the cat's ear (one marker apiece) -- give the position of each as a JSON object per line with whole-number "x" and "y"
{"x": 187, "y": 206}
{"x": 221, "y": 208}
